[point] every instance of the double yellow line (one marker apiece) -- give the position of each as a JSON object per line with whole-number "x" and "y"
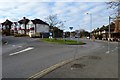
{"x": 48, "y": 70}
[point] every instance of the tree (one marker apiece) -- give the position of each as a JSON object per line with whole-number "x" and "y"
{"x": 82, "y": 33}
{"x": 53, "y": 21}
{"x": 115, "y": 5}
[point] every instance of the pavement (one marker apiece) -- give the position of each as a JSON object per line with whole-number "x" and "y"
{"x": 100, "y": 65}
{"x": 93, "y": 66}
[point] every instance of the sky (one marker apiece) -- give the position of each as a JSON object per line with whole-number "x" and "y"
{"x": 73, "y": 13}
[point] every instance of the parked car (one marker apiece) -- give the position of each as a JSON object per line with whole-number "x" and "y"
{"x": 88, "y": 37}
{"x": 77, "y": 37}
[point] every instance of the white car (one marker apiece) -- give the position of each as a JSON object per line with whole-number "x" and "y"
{"x": 88, "y": 37}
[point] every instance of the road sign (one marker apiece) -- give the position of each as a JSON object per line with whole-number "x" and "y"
{"x": 71, "y": 28}
{"x": 50, "y": 33}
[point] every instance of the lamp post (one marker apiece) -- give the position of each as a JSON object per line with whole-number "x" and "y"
{"x": 109, "y": 35}
{"x": 78, "y": 33}
{"x": 90, "y": 24}
{"x": 63, "y": 30}
{"x": 63, "y": 35}
{"x": 109, "y": 30}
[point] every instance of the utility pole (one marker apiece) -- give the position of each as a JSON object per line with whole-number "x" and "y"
{"x": 63, "y": 31}
{"x": 109, "y": 29}
{"x": 109, "y": 37}
{"x": 78, "y": 33}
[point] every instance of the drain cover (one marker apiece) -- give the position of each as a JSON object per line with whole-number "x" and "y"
{"x": 77, "y": 66}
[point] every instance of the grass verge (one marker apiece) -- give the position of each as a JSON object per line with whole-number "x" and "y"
{"x": 62, "y": 41}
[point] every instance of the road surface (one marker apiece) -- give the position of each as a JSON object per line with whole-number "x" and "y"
{"x": 23, "y": 57}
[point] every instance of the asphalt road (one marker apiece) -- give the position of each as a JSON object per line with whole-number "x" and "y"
{"x": 23, "y": 57}
{"x": 100, "y": 65}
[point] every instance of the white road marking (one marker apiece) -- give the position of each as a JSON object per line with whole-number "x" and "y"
{"x": 103, "y": 46}
{"x": 16, "y": 45}
{"x": 29, "y": 48}
{"x": 19, "y": 46}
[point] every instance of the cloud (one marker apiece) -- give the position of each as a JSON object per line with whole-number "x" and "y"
{"x": 74, "y": 13}
{"x": 56, "y": 0}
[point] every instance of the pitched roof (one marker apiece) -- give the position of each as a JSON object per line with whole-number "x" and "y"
{"x": 112, "y": 27}
{"x": 106, "y": 28}
{"x": 38, "y": 21}
{"x": 24, "y": 21}
{"x": 7, "y": 22}
{"x": 102, "y": 28}
{"x": 15, "y": 23}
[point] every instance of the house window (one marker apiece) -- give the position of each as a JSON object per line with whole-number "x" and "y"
{"x": 31, "y": 25}
{"x": 22, "y": 26}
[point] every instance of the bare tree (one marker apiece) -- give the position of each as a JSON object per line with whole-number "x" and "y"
{"x": 115, "y": 5}
{"x": 53, "y": 21}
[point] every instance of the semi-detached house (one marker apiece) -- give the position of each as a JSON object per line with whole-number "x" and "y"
{"x": 38, "y": 26}
{"x": 26, "y": 26}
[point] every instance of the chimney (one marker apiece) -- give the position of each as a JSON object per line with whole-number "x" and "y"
{"x": 24, "y": 17}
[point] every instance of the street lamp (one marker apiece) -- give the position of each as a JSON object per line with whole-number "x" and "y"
{"x": 63, "y": 35}
{"x": 109, "y": 30}
{"x": 90, "y": 24}
{"x": 78, "y": 33}
{"x": 63, "y": 29}
{"x": 109, "y": 35}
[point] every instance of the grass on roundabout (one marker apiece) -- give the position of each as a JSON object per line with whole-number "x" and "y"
{"x": 62, "y": 41}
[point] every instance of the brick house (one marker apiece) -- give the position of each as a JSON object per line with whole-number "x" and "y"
{"x": 116, "y": 33}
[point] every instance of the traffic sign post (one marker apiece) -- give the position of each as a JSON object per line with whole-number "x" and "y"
{"x": 50, "y": 35}
{"x": 70, "y": 32}
{"x": 70, "y": 28}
